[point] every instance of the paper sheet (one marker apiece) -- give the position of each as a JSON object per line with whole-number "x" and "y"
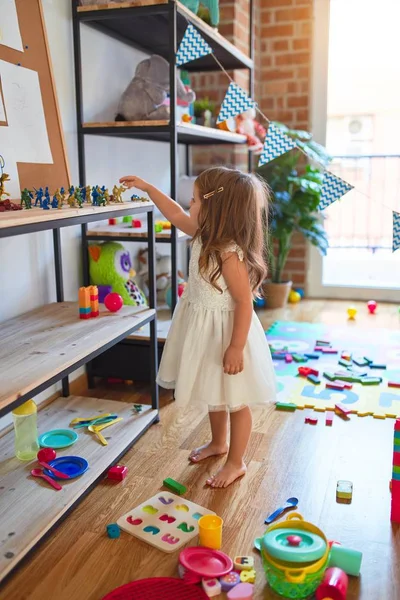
{"x": 9, "y": 25}
{"x": 25, "y": 114}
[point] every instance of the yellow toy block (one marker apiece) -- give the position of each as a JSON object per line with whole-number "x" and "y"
{"x": 309, "y": 405}
{"x": 378, "y": 416}
{"x": 242, "y": 563}
{"x": 248, "y": 576}
{"x": 320, "y": 409}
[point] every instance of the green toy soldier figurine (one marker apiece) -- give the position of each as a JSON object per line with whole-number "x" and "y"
{"x": 26, "y": 198}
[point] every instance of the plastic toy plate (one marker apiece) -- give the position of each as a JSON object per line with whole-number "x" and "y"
{"x": 73, "y": 466}
{"x": 157, "y": 588}
{"x": 58, "y": 438}
{"x": 206, "y": 562}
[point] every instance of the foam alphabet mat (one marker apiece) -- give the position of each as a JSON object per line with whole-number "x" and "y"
{"x": 166, "y": 521}
{"x": 368, "y": 355}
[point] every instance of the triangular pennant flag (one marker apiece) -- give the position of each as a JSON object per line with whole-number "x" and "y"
{"x": 235, "y": 103}
{"x": 192, "y": 47}
{"x": 333, "y": 188}
{"x": 396, "y": 231}
{"x": 275, "y": 144}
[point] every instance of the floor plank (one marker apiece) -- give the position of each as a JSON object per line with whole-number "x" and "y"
{"x": 287, "y": 458}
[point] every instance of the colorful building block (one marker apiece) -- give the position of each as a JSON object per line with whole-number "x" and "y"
{"x": 299, "y": 358}
{"x": 369, "y": 360}
{"x": 94, "y": 301}
{"x": 113, "y": 531}
{"x": 117, "y": 473}
{"x": 174, "y": 486}
{"x": 346, "y": 356}
{"x": 136, "y": 223}
{"x": 311, "y": 420}
{"x": 88, "y": 301}
{"x": 394, "y": 384}
{"x": 395, "y": 499}
{"x": 322, "y": 343}
{"x": 229, "y": 581}
{"x": 329, "y": 350}
{"x": 345, "y": 363}
{"x": 278, "y": 356}
{"x": 335, "y": 385}
{"x": 312, "y": 355}
{"x": 285, "y": 406}
{"x": 243, "y": 562}
{"x": 112, "y": 221}
{"x": 371, "y": 380}
{"x": 248, "y": 576}
{"x": 343, "y": 409}
{"x": 304, "y": 371}
{"x": 329, "y": 418}
{"x": 330, "y": 376}
{"x": 212, "y": 587}
{"x": 360, "y": 362}
{"x": 288, "y": 358}
{"x": 314, "y": 379}
{"x": 344, "y": 490}
{"x": 377, "y": 366}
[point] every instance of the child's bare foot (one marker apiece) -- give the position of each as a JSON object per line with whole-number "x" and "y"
{"x": 208, "y": 450}
{"x": 227, "y": 475}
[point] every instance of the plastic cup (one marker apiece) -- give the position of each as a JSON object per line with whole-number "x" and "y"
{"x": 210, "y": 531}
{"x": 346, "y": 559}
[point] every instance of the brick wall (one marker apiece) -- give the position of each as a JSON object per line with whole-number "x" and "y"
{"x": 283, "y": 34}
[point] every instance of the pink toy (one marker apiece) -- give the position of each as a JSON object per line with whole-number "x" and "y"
{"x": 212, "y": 587}
{"x": 333, "y": 586}
{"x": 205, "y": 562}
{"x": 136, "y": 223}
{"x": 117, "y": 473}
{"x": 243, "y": 591}
{"x": 113, "y": 302}
{"x": 372, "y": 305}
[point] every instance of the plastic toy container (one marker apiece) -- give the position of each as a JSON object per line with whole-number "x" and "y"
{"x": 295, "y": 555}
{"x": 26, "y": 433}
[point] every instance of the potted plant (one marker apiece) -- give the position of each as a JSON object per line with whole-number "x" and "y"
{"x": 296, "y": 190}
{"x": 204, "y": 111}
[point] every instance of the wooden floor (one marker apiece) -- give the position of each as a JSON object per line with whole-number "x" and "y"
{"x": 286, "y": 458}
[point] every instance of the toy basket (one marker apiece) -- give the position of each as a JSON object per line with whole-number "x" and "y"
{"x": 157, "y": 588}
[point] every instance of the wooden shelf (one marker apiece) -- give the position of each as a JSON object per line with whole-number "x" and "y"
{"x": 42, "y": 346}
{"x": 29, "y": 506}
{"x": 148, "y": 30}
{"x": 127, "y": 233}
{"x": 37, "y": 219}
{"x": 189, "y": 134}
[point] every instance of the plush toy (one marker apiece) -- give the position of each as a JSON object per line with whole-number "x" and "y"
{"x": 248, "y": 126}
{"x": 211, "y": 5}
{"x": 144, "y": 97}
{"x": 111, "y": 266}
{"x": 163, "y": 273}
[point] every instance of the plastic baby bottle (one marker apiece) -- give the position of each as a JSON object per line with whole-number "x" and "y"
{"x": 25, "y": 428}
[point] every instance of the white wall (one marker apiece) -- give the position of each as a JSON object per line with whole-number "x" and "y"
{"x": 26, "y": 263}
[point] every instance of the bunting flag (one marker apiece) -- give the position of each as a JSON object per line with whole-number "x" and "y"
{"x": 236, "y": 102}
{"x": 192, "y": 47}
{"x": 396, "y": 231}
{"x": 275, "y": 144}
{"x": 333, "y": 188}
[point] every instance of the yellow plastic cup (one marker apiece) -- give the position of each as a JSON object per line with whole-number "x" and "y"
{"x": 210, "y": 531}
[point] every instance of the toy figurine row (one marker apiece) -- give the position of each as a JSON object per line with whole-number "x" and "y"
{"x": 76, "y": 196}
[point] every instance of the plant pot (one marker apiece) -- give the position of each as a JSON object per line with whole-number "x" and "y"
{"x": 276, "y": 294}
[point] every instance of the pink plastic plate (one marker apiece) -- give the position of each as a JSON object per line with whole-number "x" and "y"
{"x": 206, "y": 562}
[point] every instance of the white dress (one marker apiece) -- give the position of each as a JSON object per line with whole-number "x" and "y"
{"x": 200, "y": 333}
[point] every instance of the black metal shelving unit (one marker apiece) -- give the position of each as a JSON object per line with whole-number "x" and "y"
{"x": 157, "y": 29}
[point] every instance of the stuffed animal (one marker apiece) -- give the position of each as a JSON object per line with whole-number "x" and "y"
{"x": 211, "y": 5}
{"x": 163, "y": 273}
{"x": 255, "y": 133}
{"x": 111, "y": 266}
{"x": 144, "y": 97}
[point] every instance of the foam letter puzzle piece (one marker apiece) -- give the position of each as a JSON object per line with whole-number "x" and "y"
{"x": 212, "y": 587}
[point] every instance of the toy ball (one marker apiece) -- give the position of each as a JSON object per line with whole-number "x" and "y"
{"x": 371, "y": 305}
{"x": 259, "y": 302}
{"x": 168, "y": 293}
{"x": 300, "y": 291}
{"x": 351, "y": 311}
{"x": 294, "y": 297}
{"x": 113, "y": 302}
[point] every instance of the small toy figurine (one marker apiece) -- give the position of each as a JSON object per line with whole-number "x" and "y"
{"x": 56, "y": 199}
{"x": 101, "y": 199}
{"x": 106, "y": 194}
{"x": 62, "y": 194}
{"x": 351, "y": 312}
{"x": 117, "y": 191}
{"x": 39, "y": 197}
{"x": 95, "y": 195}
{"x": 47, "y": 195}
{"x": 26, "y": 198}
{"x": 88, "y": 191}
{"x": 78, "y": 197}
{"x": 45, "y": 203}
{"x": 372, "y": 305}
{"x": 3, "y": 178}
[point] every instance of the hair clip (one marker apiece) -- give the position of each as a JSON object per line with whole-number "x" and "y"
{"x": 219, "y": 190}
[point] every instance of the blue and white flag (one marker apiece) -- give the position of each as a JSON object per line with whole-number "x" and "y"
{"x": 192, "y": 47}
{"x": 275, "y": 144}
{"x": 235, "y": 103}
{"x": 333, "y": 188}
{"x": 396, "y": 231}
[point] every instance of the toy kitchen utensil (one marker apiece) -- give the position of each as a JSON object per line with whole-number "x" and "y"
{"x": 44, "y": 456}
{"x": 72, "y": 466}
{"x": 40, "y": 473}
{"x": 290, "y": 503}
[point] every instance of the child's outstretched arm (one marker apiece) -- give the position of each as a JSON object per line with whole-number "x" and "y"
{"x": 169, "y": 208}
{"x": 236, "y": 277}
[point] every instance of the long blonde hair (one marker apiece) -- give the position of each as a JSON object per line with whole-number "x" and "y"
{"x": 232, "y": 205}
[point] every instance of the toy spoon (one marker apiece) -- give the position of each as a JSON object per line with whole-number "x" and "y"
{"x": 44, "y": 456}
{"x": 39, "y": 473}
{"x": 290, "y": 503}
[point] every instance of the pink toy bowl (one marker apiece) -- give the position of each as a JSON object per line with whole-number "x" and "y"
{"x": 205, "y": 562}
{"x": 156, "y": 588}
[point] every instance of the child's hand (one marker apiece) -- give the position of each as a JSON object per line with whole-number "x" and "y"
{"x": 130, "y": 181}
{"x": 233, "y": 361}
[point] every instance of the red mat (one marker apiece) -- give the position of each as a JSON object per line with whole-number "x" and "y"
{"x": 157, "y": 588}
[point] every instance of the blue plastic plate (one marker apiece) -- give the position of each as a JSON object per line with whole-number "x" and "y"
{"x": 73, "y": 466}
{"x": 58, "y": 438}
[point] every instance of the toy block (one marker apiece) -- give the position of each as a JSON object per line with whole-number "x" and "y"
{"x": 113, "y": 531}
{"x": 391, "y": 415}
{"x": 314, "y": 379}
{"x": 379, "y": 416}
{"x": 377, "y": 366}
{"x": 369, "y": 360}
{"x": 318, "y": 348}
{"x": 248, "y": 576}
{"x": 304, "y": 371}
{"x": 396, "y": 469}
{"x": 127, "y": 219}
{"x": 117, "y": 473}
{"x": 394, "y": 384}
{"x": 85, "y": 311}
{"x": 299, "y": 358}
{"x": 397, "y": 425}
{"x": 348, "y": 378}
{"x": 396, "y": 443}
{"x": 174, "y": 486}
{"x": 309, "y": 405}
{"x": 312, "y": 355}
{"x": 344, "y": 490}
{"x": 329, "y": 350}
{"x": 360, "y": 362}
{"x": 285, "y": 406}
{"x": 311, "y": 420}
{"x": 371, "y": 380}
{"x": 278, "y": 356}
{"x": 229, "y": 581}
{"x": 243, "y": 591}
{"x": 397, "y": 435}
{"x": 367, "y": 413}
{"x": 395, "y": 503}
{"x": 288, "y": 358}
{"x": 314, "y": 372}
{"x": 112, "y": 221}
{"x": 322, "y": 343}
{"x": 84, "y": 297}
{"x": 342, "y": 409}
{"x": 346, "y": 356}
{"x": 136, "y": 223}
{"x": 396, "y": 477}
{"x": 345, "y": 363}
{"x": 94, "y": 301}
{"x": 211, "y": 586}
{"x": 335, "y": 385}
{"x": 243, "y": 562}
{"x": 330, "y": 376}
{"x": 329, "y": 418}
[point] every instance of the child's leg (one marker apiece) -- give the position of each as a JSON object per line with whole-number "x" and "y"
{"x": 241, "y": 425}
{"x": 219, "y": 437}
